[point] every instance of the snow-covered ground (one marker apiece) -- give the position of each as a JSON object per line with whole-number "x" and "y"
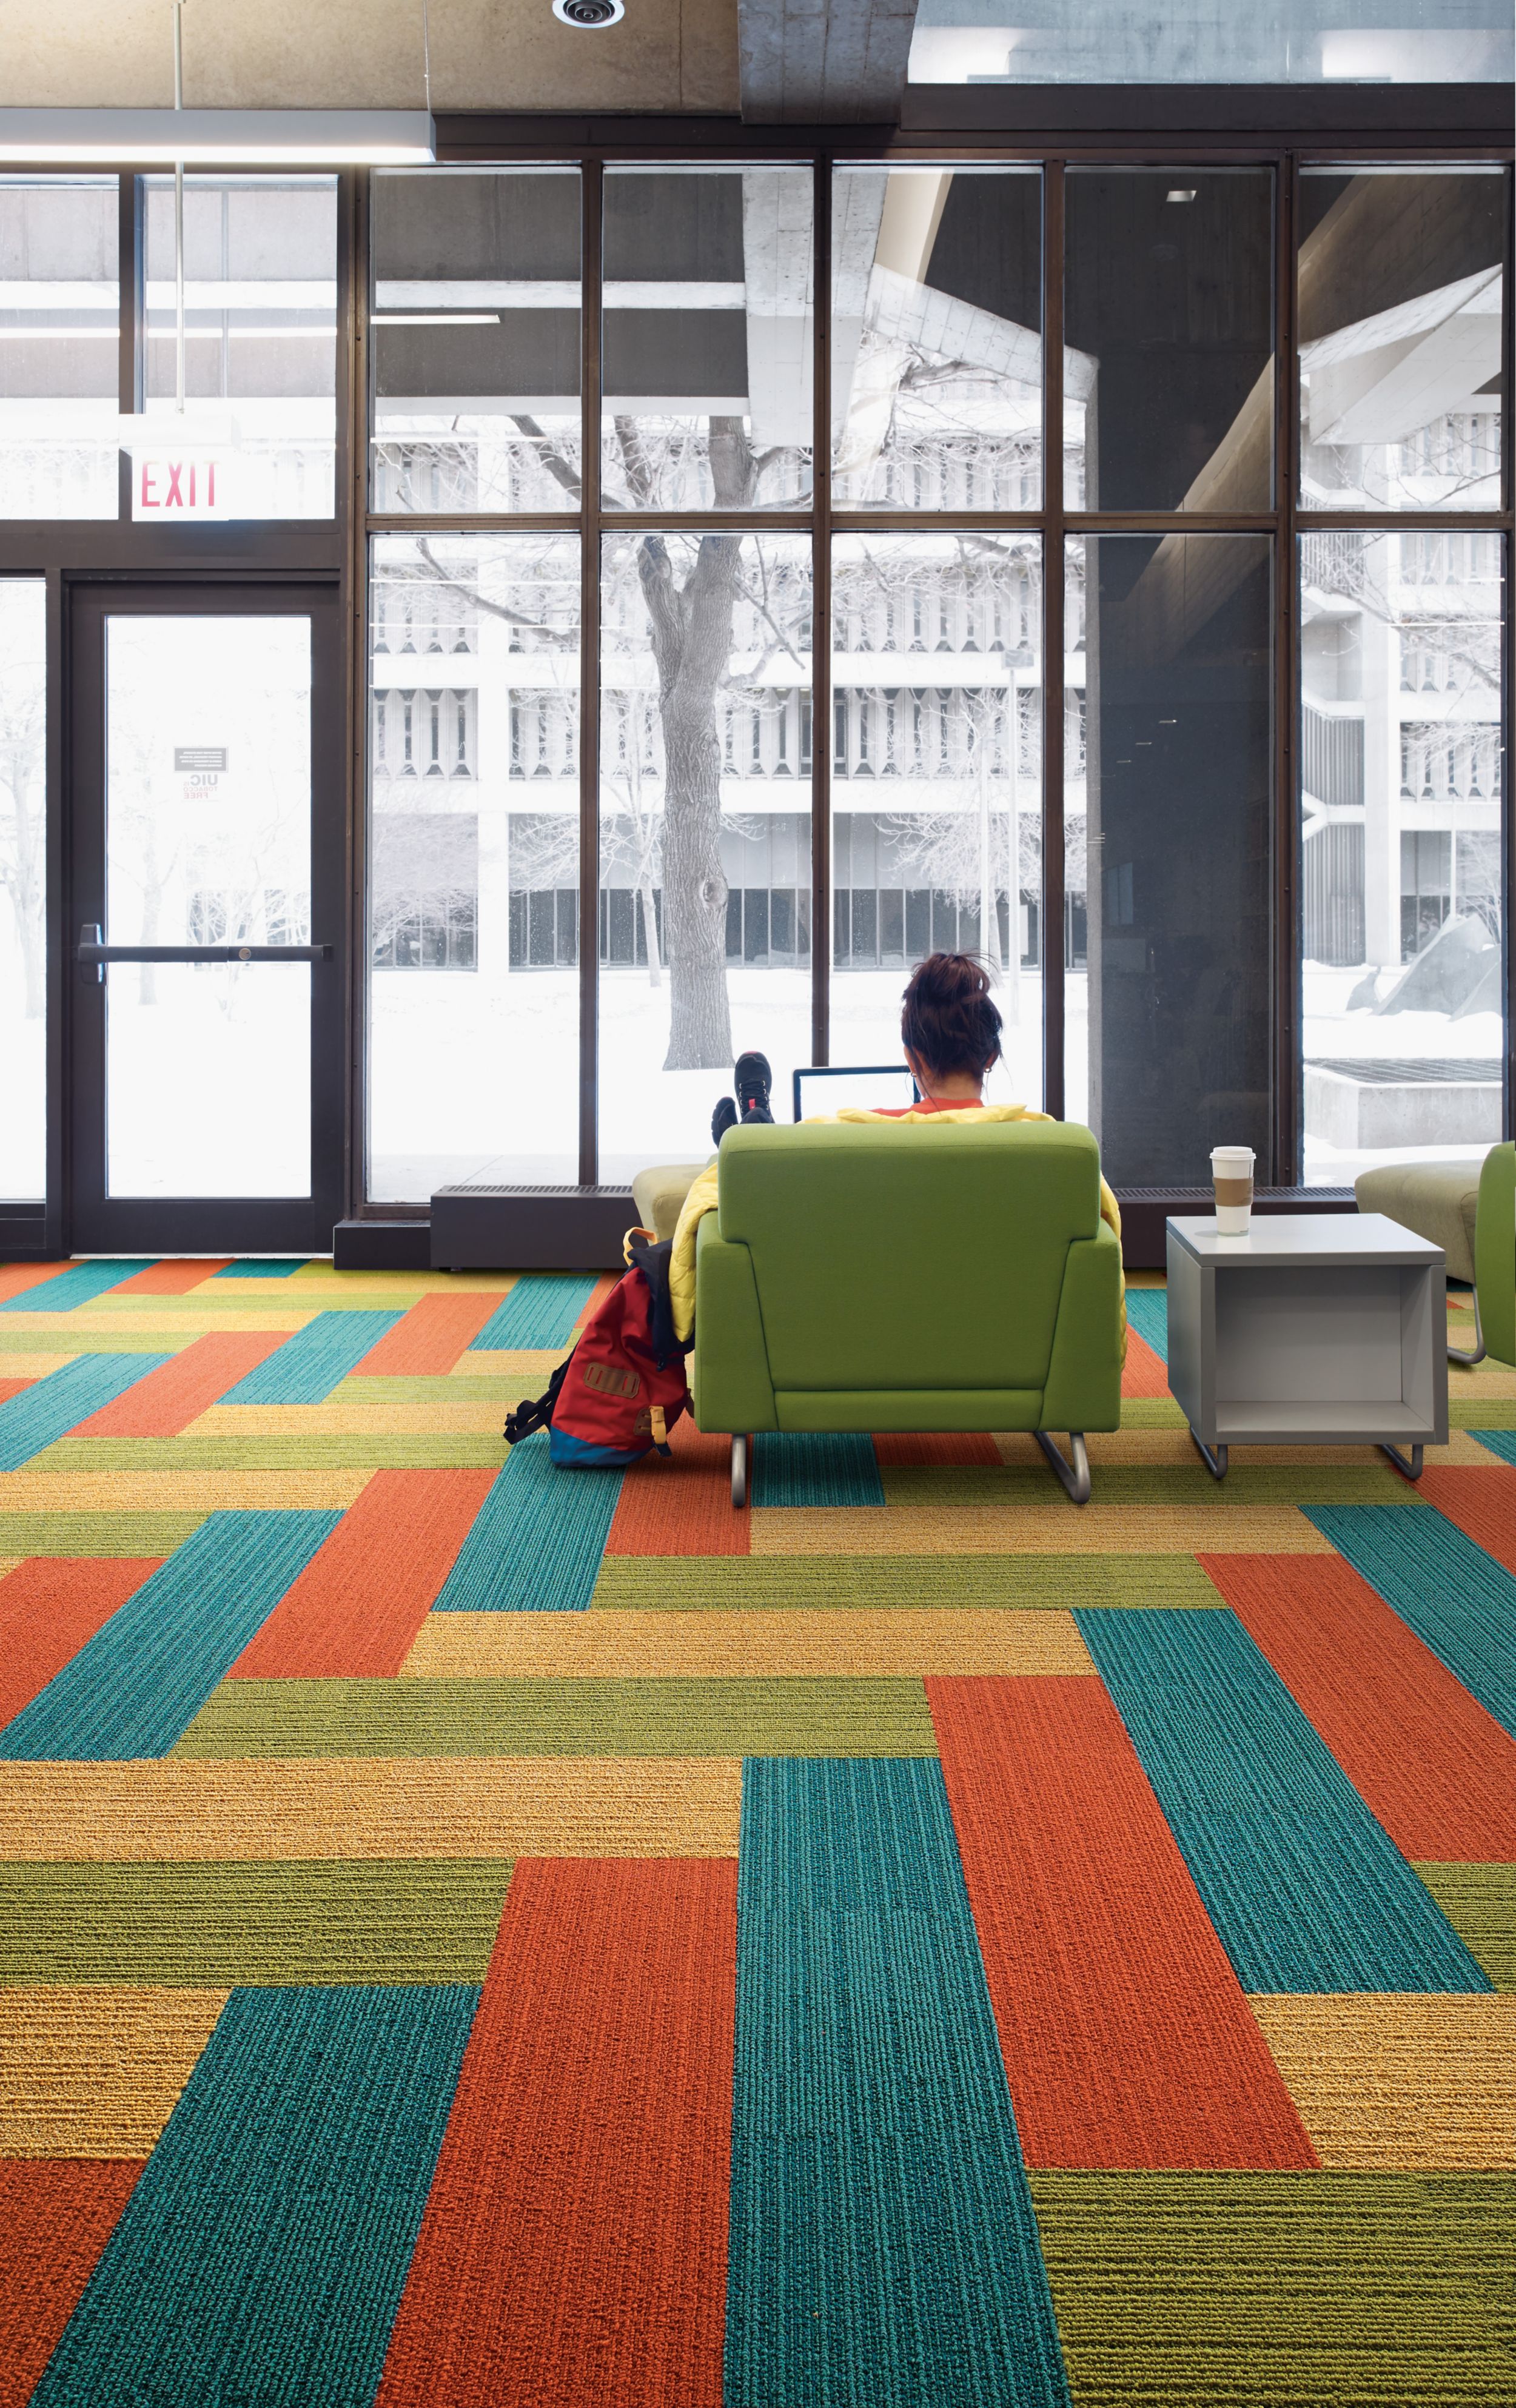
{"x": 474, "y": 1082}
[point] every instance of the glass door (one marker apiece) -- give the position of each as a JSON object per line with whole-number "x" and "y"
{"x": 206, "y": 921}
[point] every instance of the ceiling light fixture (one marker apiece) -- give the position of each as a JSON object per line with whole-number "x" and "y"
{"x": 1178, "y": 194}
{"x": 181, "y": 137}
{"x": 588, "y": 15}
{"x": 435, "y": 318}
{"x": 218, "y": 138}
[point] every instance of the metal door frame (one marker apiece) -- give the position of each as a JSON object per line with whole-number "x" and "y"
{"x": 95, "y": 1222}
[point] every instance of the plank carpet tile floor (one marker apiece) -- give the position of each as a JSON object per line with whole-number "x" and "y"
{"x": 471, "y": 1931}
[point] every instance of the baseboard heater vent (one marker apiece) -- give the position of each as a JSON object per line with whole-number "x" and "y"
{"x": 530, "y": 1228}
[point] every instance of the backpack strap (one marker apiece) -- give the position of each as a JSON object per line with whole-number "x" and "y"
{"x": 650, "y": 1257}
{"x": 536, "y": 1414}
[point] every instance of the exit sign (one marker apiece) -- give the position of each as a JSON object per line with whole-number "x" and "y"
{"x": 178, "y": 484}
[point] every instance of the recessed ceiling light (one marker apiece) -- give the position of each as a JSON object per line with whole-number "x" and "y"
{"x": 1177, "y": 195}
{"x": 589, "y": 15}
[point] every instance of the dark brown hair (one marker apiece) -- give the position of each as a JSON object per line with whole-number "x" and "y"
{"x": 947, "y": 1017}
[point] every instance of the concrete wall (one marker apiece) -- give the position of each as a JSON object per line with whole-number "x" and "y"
{"x": 665, "y": 55}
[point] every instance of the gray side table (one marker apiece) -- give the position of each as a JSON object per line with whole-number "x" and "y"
{"x": 1316, "y": 1329}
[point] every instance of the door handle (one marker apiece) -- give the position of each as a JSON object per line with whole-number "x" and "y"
{"x": 94, "y": 954}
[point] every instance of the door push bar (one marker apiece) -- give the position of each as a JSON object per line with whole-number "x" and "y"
{"x": 93, "y": 954}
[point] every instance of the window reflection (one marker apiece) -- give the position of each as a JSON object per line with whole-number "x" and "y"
{"x": 705, "y": 831}
{"x": 1400, "y": 282}
{"x": 707, "y": 336}
{"x": 1168, "y": 313}
{"x": 473, "y": 870}
{"x": 1401, "y": 847}
{"x": 937, "y": 338}
{"x": 1168, "y": 1038}
{"x": 475, "y": 330}
{"x": 260, "y": 366}
{"x": 60, "y": 325}
{"x": 937, "y": 809}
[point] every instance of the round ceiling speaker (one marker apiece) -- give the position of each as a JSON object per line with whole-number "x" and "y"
{"x": 590, "y": 14}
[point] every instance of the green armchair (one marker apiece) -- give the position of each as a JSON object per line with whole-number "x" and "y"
{"x": 948, "y": 1277}
{"x": 1494, "y": 1260}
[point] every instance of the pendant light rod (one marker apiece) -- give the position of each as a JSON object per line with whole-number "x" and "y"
{"x": 178, "y": 213}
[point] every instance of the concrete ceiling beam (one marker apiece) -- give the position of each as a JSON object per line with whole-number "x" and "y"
{"x": 825, "y": 62}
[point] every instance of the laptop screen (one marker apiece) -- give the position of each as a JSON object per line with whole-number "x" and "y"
{"x": 887, "y": 1089}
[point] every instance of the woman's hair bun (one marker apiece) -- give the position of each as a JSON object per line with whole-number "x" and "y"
{"x": 948, "y": 1016}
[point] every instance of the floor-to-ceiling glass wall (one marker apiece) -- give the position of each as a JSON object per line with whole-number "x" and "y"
{"x": 731, "y": 771}
{"x": 1401, "y": 276}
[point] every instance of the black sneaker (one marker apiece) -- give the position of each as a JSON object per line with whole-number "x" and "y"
{"x": 752, "y": 1079}
{"x": 721, "y": 1119}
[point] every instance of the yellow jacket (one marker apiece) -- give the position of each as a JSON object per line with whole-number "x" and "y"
{"x": 701, "y": 1199}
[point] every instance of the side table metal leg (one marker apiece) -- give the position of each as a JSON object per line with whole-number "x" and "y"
{"x": 1456, "y": 1355}
{"x": 1411, "y": 1471}
{"x": 741, "y": 1448}
{"x": 1215, "y": 1460}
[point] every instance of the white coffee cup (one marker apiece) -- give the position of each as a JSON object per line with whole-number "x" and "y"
{"x": 1231, "y": 1172}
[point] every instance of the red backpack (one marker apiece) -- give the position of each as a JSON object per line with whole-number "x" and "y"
{"x": 622, "y": 1388}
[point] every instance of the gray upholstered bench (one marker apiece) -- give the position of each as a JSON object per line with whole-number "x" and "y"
{"x": 1438, "y": 1200}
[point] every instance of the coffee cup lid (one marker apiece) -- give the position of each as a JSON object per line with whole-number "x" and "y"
{"x": 1232, "y": 1157}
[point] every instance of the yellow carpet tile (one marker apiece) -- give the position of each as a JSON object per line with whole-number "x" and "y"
{"x": 31, "y": 1367}
{"x": 1024, "y": 1529}
{"x": 1417, "y": 2083}
{"x": 94, "y": 2072}
{"x": 531, "y": 1365}
{"x": 745, "y": 1644}
{"x": 469, "y": 1417}
{"x": 371, "y": 1806}
{"x": 167, "y": 1329}
{"x": 176, "y": 1492}
{"x": 1177, "y": 1448}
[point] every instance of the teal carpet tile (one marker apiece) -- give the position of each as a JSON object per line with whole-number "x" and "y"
{"x": 259, "y": 2260}
{"x": 314, "y": 1361}
{"x": 1305, "y": 1888}
{"x": 255, "y": 1270}
{"x": 51, "y": 1408}
{"x": 543, "y": 1309}
{"x": 884, "y": 2252}
{"x": 76, "y": 1283}
{"x": 802, "y": 1468}
{"x": 137, "y": 1685}
{"x": 1458, "y": 1600}
{"x": 1147, "y": 1313}
{"x": 536, "y": 1542}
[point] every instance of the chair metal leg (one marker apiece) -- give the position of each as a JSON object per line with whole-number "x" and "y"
{"x": 740, "y": 1451}
{"x": 1215, "y": 1458}
{"x": 1456, "y": 1355}
{"x": 1076, "y": 1476}
{"x": 1411, "y": 1471}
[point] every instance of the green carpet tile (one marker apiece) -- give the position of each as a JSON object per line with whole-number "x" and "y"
{"x": 95, "y": 1534}
{"x": 57, "y": 1338}
{"x": 701, "y": 1583}
{"x": 582, "y": 1717}
{"x": 1473, "y": 1412}
{"x": 238, "y": 1925}
{"x": 437, "y": 1388}
{"x": 382, "y": 1450}
{"x": 1480, "y": 1902}
{"x": 1325, "y": 2290}
{"x": 1151, "y": 1413}
{"x": 1159, "y": 1484}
